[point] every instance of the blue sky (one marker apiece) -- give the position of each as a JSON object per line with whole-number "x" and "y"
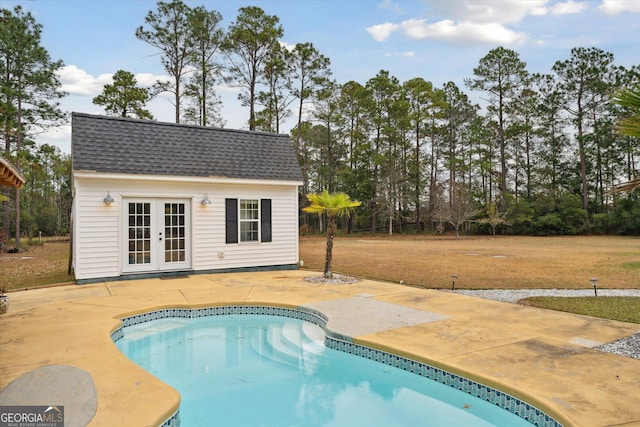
{"x": 438, "y": 40}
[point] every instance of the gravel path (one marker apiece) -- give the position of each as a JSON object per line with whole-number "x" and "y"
{"x": 515, "y": 295}
{"x": 629, "y": 346}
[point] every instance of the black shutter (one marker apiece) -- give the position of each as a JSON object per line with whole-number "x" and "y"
{"x": 231, "y": 219}
{"x": 265, "y": 220}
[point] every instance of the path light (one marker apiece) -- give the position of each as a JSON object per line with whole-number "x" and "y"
{"x": 453, "y": 281}
{"x": 594, "y": 282}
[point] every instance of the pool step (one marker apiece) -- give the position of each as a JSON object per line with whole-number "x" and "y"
{"x": 293, "y": 344}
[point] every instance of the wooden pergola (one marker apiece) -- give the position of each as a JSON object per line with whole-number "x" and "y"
{"x": 627, "y": 186}
{"x": 9, "y": 176}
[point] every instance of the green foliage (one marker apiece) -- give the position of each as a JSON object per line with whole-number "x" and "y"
{"x": 520, "y": 216}
{"x": 629, "y": 98}
{"x": 248, "y": 44}
{"x": 124, "y": 97}
{"x": 206, "y": 37}
{"x": 333, "y": 206}
{"x": 168, "y": 30}
{"x": 623, "y": 309}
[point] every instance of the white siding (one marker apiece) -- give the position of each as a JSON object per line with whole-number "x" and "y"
{"x": 98, "y": 230}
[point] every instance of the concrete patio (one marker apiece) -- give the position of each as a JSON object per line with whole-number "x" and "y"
{"x": 542, "y": 357}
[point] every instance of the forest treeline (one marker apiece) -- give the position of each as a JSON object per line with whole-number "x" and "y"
{"x": 541, "y": 155}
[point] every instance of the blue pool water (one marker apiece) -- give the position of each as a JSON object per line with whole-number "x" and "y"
{"x": 260, "y": 370}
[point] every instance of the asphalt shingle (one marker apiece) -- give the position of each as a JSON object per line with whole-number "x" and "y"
{"x": 131, "y": 146}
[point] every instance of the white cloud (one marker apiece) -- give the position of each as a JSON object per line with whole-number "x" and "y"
{"x": 462, "y": 32}
{"x": 390, "y": 5}
{"x": 471, "y": 21}
{"x": 288, "y": 46}
{"x": 407, "y": 54}
{"x": 489, "y": 11}
{"x": 381, "y": 32}
{"x": 148, "y": 79}
{"x": 615, "y": 7}
{"x": 568, "y": 8}
{"x": 77, "y": 81}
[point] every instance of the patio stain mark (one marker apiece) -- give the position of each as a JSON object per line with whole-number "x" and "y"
{"x": 362, "y": 315}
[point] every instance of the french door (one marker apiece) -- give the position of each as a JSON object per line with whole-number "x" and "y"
{"x": 157, "y": 235}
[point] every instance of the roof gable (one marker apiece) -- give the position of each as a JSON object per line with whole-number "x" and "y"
{"x": 132, "y": 146}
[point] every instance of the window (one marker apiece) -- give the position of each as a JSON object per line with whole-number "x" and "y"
{"x": 250, "y": 218}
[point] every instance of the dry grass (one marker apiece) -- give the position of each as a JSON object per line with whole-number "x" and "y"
{"x": 479, "y": 262}
{"x": 39, "y": 265}
{"x": 503, "y": 262}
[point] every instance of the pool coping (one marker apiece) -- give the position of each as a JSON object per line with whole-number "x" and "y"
{"x": 537, "y": 355}
{"x": 340, "y": 342}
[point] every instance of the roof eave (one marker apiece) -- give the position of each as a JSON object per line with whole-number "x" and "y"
{"x": 9, "y": 176}
{"x": 86, "y": 174}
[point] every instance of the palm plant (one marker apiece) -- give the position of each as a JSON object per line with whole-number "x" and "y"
{"x": 333, "y": 205}
{"x": 629, "y": 98}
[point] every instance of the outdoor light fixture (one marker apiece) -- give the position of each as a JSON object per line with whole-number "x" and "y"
{"x": 205, "y": 201}
{"x": 594, "y": 282}
{"x": 108, "y": 200}
{"x": 453, "y": 281}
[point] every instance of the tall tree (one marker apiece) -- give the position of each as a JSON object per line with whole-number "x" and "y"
{"x": 247, "y": 45}
{"x": 124, "y": 98}
{"x": 583, "y": 82}
{"x": 331, "y": 205}
{"x": 327, "y": 113}
{"x": 277, "y": 98}
{"x": 423, "y": 105}
{"x": 382, "y": 89}
{"x": 458, "y": 114}
{"x": 170, "y": 32}
{"x": 29, "y": 88}
{"x": 501, "y": 74}
{"x": 206, "y": 39}
{"x": 309, "y": 69}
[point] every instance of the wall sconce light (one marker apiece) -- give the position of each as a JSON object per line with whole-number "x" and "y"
{"x": 594, "y": 282}
{"x": 205, "y": 201}
{"x": 108, "y": 200}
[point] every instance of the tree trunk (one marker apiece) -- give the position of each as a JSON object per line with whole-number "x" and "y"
{"x": 329, "y": 254}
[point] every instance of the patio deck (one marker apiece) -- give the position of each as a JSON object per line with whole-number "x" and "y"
{"x": 540, "y": 356}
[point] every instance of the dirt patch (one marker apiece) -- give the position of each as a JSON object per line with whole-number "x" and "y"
{"x": 37, "y": 266}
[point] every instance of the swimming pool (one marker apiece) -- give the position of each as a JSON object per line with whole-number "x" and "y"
{"x": 265, "y": 366}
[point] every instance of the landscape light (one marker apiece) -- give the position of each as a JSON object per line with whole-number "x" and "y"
{"x": 453, "y": 281}
{"x": 594, "y": 282}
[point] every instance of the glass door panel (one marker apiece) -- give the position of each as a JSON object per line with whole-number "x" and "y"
{"x": 139, "y": 233}
{"x": 156, "y": 236}
{"x": 174, "y": 232}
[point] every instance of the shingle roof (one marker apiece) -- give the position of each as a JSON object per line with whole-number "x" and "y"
{"x": 131, "y": 146}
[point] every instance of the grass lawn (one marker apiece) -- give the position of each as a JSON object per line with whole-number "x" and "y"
{"x": 624, "y": 309}
{"x": 504, "y": 262}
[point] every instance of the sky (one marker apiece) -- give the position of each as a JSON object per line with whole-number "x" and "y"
{"x": 438, "y": 40}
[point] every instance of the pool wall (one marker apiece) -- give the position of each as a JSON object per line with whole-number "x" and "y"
{"x": 343, "y": 343}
